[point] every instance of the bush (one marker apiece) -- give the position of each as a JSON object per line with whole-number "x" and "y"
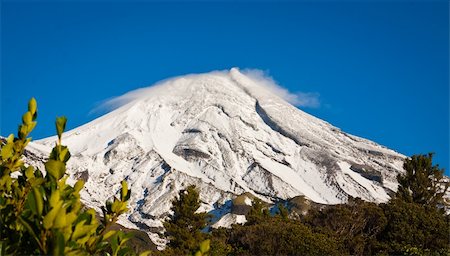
{"x": 41, "y": 214}
{"x": 355, "y": 224}
{"x": 274, "y": 236}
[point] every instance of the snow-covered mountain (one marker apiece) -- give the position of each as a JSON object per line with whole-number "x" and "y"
{"x": 227, "y": 134}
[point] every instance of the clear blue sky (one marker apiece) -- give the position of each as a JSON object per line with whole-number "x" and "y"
{"x": 381, "y": 69}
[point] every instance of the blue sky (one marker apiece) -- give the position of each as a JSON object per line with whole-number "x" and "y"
{"x": 380, "y": 69}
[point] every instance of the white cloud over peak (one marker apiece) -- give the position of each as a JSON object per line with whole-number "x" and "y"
{"x": 299, "y": 99}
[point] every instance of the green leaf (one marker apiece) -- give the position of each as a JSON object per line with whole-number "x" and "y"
{"x": 2, "y": 248}
{"x": 78, "y": 186}
{"x": 64, "y": 155}
{"x": 198, "y": 253}
{"x": 37, "y": 181}
{"x": 83, "y": 230}
{"x": 114, "y": 241}
{"x": 23, "y": 131}
{"x": 29, "y": 172}
{"x": 51, "y": 215}
{"x": 145, "y": 253}
{"x": 58, "y": 244}
{"x": 55, "y": 168}
{"x": 123, "y": 251}
{"x": 27, "y": 118}
{"x": 60, "y": 125}
{"x": 31, "y": 126}
{"x": 124, "y": 191}
{"x": 32, "y": 106}
{"x": 7, "y": 151}
{"x": 10, "y": 138}
{"x": 70, "y": 218}
{"x": 61, "y": 219}
{"x": 204, "y": 246}
{"x": 32, "y": 203}
{"x": 54, "y": 198}
{"x": 115, "y": 207}
{"x": 36, "y": 201}
{"x": 109, "y": 234}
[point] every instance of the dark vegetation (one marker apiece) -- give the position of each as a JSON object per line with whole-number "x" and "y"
{"x": 42, "y": 215}
{"x": 413, "y": 222}
{"x": 184, "y": 227}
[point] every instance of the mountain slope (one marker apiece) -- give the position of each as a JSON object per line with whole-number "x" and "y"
{"x": 227, "y": 134}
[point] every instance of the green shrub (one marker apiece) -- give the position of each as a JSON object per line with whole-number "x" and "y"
{"x": 259, "y": 212}
{"x": 41, "y": 214}
{"x": 355, "y": 224}
{"x": 273, "y": 236}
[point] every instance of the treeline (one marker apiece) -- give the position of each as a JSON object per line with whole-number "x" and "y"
{"x": 40, "y": 214}
{"x": 413, "y": 222}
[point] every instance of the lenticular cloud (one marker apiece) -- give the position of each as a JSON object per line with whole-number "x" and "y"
{"x": 299, "y": 99}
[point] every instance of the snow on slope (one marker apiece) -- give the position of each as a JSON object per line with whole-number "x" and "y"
{"x": 227, "y": 134}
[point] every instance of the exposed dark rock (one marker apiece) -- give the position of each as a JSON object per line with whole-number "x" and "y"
{"x": 190, "y": 154}
{"x": 139, "y": 242}
{"x": 367, "y": 172}
{"x": 322, "y": 158}
{"x": 300, "y": 205}
{"x": 239, "y": 206}
{"x": 274, "y": 149}
{"x": 31, "y": 156}
{"x": 375, "y": 153}
{"x": 192, "y": 131}
{"x": 84, "y": 175}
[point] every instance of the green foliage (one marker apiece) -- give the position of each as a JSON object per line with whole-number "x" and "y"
{"x": 219, "y": 242}
{"x": 422, "y": 181}
{"x": 41, "y": 214}
{"x": 258, "y": 212}
{"x": 184, "y": 228}
{"x": 283, "y": 212}
{"x": 414, "y": 227}
{"x": 274, "y": 236}
{"x": 417, "y": 224}
{"x": 355, "y": 224}
{"x": 204, "y": 248}
{"x": 410, "y": 224}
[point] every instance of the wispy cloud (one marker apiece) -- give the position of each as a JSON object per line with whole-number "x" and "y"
{"x": 299, "y": 99}
{"x": 118, "y": 101}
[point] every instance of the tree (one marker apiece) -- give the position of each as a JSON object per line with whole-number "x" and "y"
{"x": 415, "y": 226}
{"x": 40, "y": 213}
{"x": 416, "y": 221}
{"x": 422, "y": 181}
{"x": 258, "y": 212}
{"x": 185, "y": 225}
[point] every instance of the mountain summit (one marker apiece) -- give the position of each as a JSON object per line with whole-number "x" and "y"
{"x": 228, "y": 134}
